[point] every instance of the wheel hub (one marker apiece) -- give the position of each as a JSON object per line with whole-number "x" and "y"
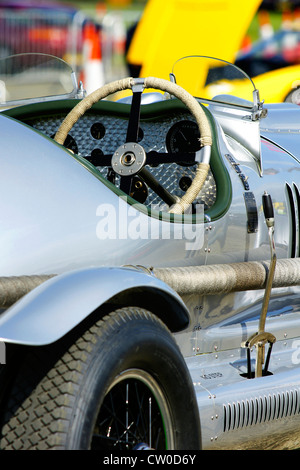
{"x": 128, "y": 159}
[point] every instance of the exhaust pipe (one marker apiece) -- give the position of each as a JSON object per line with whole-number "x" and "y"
{"x": 227, "y": 278}
{"x": 14, "y": 288}
{"x": 201, "y": 280}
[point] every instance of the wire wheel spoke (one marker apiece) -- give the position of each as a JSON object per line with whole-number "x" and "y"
{"x": 130, "y": 415}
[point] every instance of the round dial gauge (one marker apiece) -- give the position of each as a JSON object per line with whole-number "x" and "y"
{"x": 183, "y": 137}
{"x": 98, "y": 130}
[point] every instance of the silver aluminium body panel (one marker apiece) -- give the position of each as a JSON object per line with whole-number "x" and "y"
{"x": 62, "y": 195}
{"x": 237, "y": 412}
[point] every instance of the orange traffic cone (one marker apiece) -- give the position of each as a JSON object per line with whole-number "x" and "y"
{"x": 287, "y": 20}
{"x": 246, "y": 44}
{"x": 297, "y": 18}
{"x": 93, "y": 73}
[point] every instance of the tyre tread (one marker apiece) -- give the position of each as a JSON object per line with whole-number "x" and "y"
{"x": 42, "y": 400}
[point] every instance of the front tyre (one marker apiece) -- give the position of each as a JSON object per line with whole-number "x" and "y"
{"x": 123, "y": 384}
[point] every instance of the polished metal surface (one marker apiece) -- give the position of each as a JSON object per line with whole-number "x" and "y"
{"x": 128, "y": 159}
{"x": 56, "y": 215}
{"x": 51, "y": 310}
{"x": 66, "y": 228}
{"x": 240, "y": 413}
{"x": 282, "y": 126}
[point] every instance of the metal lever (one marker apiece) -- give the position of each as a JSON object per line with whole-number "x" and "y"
{"x": 260, "y": 338}
{"x": 269, "y": 216}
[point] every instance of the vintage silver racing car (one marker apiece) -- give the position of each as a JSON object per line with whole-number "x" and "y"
{"x": 149, "y": 263}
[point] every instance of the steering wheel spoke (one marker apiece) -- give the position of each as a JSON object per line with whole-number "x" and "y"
{"x": 134, "y": 117}
{"x": 157, "y": 158}
{"x": 130, "y": 158}
{"x": 152, "y": 182}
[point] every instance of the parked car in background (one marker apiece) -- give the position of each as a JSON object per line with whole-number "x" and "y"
{"x": 280, "y": 50}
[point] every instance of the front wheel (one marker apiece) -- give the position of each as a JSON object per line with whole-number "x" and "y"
{"x": 122, "y": 385}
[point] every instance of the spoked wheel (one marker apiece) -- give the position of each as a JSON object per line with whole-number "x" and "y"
{"x": 122, "y": 384}
{"x": 134, "y": 415}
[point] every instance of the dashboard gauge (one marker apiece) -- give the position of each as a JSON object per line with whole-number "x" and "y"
{"x": 183, "y": 137}
{"x": 97, "y": 130}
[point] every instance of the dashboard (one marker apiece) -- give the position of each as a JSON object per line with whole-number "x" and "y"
{"x": 97, "y": 135}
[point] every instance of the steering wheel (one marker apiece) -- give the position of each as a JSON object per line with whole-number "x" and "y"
{"x": 130, "y": 158}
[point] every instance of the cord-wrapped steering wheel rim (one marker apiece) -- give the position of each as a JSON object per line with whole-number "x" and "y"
{"x": 157, "y": 83}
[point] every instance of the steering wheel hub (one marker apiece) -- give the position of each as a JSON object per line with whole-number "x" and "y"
{"x": 128, "y": 159}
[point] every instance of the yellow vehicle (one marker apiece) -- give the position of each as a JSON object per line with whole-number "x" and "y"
{"x": 173, "y": 29}
{"x": 274, "y": 87}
